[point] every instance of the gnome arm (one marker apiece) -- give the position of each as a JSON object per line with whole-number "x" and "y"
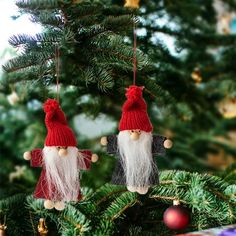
{"x": 36, "y": 158}
{"x": 112, "y": 146}
{"x": 158, "y": 145}
{"x": 84, "y": 159}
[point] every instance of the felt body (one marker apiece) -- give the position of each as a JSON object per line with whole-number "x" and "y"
{"x": 118, "y": 176}
{"x": 42, "y": 188}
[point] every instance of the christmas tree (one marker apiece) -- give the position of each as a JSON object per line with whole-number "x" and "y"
{"x": 85, "y": 56}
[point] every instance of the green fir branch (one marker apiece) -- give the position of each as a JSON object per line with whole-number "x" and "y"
{"x": 107, "y": 192}
{"x": 37, "y": 4}
{"x": 120, "y": 205}
{"x": 73, "y": 222}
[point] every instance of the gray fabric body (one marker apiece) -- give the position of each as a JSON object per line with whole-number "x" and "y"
{"x": 118, "y": 176}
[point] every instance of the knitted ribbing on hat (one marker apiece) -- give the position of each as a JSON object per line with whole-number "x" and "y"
{"x": 59, "y": 133}
{"x": 134, "y": 111}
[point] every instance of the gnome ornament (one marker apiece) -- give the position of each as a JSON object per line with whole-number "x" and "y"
{"x": 60, "y": 159}
{"x": 135, "y": 145}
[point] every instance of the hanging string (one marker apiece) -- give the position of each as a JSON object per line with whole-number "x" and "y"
{"x": 57, "y": 62}
{"x": 135, "y": 59}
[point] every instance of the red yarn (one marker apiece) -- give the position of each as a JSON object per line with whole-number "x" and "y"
{"x": 59, "y": 133}
{"x": 134, "y": 92}
{"x": 134, "y": 111}
{"x": 135, "y": 100}
{"x": 50, "y": 105}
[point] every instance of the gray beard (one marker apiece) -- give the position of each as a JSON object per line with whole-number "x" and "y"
{"x": 62, "y": 173}
{"x": 136, "y": 158}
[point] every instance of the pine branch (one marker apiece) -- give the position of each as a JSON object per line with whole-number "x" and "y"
{"x": 43, "y": 38}
{"x": 106, "y": 192}
{"x": 16, "y": 220}
{"x": 72, "y": 221}
{"x": 122, "y": 203}
{"x": 155, "y": 90}
{"x": 47, "y": 19}
{"x": 229, "y": 174}
{"x": 37, "y": 4}
{"x": 28, "y": 61}
{"x": 201, "y": 192}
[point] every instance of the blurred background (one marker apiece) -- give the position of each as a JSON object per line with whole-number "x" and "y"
{"x": 186, "y": 61}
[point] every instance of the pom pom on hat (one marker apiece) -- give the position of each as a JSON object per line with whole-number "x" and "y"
{"x": 134, "y": 99}
{"x": 54, "y": 114}
{"x": 134, "y": 92}
{"x": 134, "y": 111}
{"x": 59, "y": 133}
{"x": 51, "y": 105}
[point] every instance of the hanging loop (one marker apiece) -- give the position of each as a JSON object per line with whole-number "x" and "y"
{"x": 57, "y": 64}
{"x": 135, "y": 56}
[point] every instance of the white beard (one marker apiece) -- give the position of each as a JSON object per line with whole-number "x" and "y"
{"x": 136, "y": 158}
{"x": 62, "y": 173}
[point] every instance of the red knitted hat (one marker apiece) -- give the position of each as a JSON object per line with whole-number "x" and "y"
{"x": 134, "y": 111}
{"x": 59, "y": 133}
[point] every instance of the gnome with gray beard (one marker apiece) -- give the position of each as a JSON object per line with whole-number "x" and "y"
{"x": 135, "y": 145}
{"x": 60, "y": 159}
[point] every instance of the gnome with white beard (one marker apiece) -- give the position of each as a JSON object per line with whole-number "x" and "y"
{"x": 135, "y": 145}
{"x": 60, "y": 159}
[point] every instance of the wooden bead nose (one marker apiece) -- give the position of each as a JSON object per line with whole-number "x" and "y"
{"x": 62, "y": 152}
{"x": 134, "y": 136}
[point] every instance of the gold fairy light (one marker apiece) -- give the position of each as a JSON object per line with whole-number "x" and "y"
{"x": 132, "y": 3}
{"x": 42, "y": 227}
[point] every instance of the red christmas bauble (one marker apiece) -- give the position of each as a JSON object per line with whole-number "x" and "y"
{"x": 176, "y": 217}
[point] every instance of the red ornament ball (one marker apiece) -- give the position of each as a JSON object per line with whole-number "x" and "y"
{"x": 176, "y": 217}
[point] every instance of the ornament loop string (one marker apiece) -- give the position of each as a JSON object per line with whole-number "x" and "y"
{"x": 57, "y": 62}
{"x": 134, "y": 59}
